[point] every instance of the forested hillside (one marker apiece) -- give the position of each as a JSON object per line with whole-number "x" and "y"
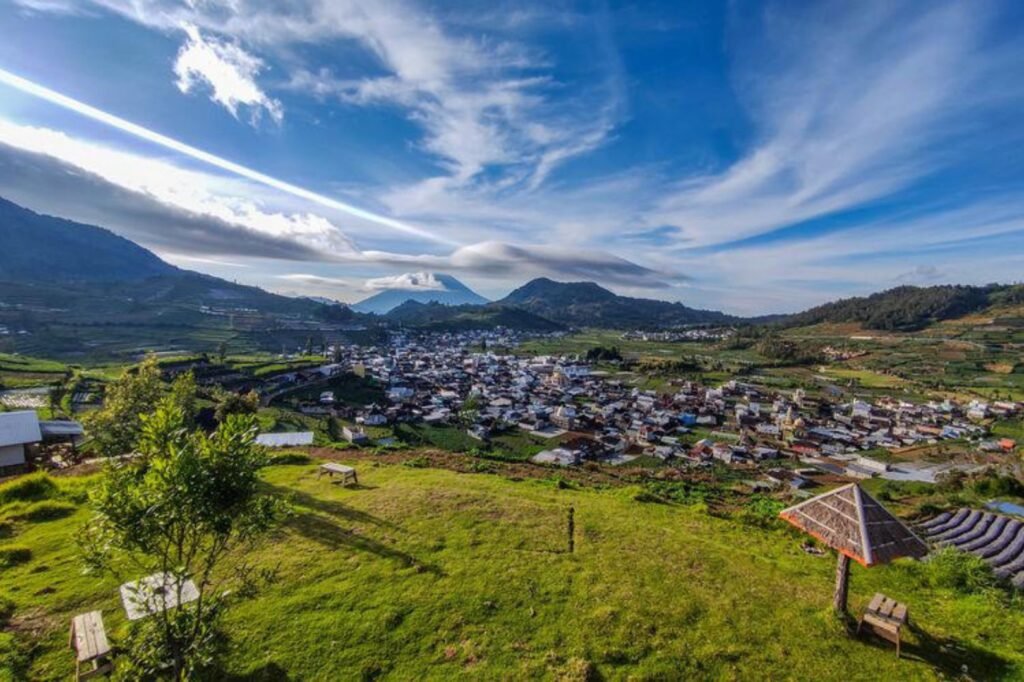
{"x": 909, "y": 308}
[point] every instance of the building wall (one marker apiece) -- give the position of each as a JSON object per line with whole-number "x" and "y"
{"x": 12, "y": 455}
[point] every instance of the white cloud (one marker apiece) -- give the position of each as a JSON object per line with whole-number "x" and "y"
{"x": 222, "y": 201}
{"x": 409, "y": 281}
{"x": 483, "y": 102}
{"x": 51, "y": 6}
{"x": 503, "y": 261}
{"x": 228, "y": 70}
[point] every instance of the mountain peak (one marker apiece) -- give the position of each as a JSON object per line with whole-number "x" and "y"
{"x": 559, "y": 293}
{"x": 420, "y": 287}
{"x": 588, "y": 304}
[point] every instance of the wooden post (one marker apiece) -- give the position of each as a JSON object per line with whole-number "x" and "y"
{"x": 572, "y": 529}
{"x": 842, "y": 583}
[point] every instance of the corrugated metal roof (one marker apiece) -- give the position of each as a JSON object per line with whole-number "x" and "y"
{"x": 284, "y": 440}
{"x": 17, "y": 428}
{"x": 57, "y": 428}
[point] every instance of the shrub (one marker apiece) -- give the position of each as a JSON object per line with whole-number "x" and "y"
{"x": 682, "y": 492}
{"x": 12, "y": 555}
{"x": 646, "y": 496}
{"x": 6, "y": 609}
{"x": 28, "y": 489}
{"x": 289, "y": 458}
{"x": 44, "y": 511}
{"x": 420, "y": 462}
{"x": 995, "y": 485}
{"x": 761, "y": 511}
{"x": 960, "y": 571}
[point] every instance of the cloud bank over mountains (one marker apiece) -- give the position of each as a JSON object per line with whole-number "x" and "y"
{"x": 859, "y": 144}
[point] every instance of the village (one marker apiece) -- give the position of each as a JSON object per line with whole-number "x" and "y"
{"x": 585, "y": 414}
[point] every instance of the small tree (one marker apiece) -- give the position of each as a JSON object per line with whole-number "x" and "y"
{"x": 332, "y": 430}
{"x": 187, "y": 507}
{"x": 470, "y": 411}
{"x": 229, "y": 402}
{"x": 116, "y": 426}
{"x": 222, "y": 352}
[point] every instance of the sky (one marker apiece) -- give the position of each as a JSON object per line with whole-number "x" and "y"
{"x": 751, "y": 157}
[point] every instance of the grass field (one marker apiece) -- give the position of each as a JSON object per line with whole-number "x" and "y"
{"x": 425, "y": 573}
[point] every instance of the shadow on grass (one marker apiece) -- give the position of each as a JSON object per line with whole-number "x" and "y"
{"x": 953, "y": 657}
{"x": 333, "y": 536}
{"x": 270, "y": 672}
{"x": 330, "y": 507}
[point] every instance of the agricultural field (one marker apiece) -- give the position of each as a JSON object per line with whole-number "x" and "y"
{"x": 970, "y": 357}
{"x": 425, "y": 573}
{"x": 18, "y": 371}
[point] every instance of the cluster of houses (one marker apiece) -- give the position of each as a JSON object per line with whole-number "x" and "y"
{"x": 447, "y": 379}
{"x": 451, "y": 379}
{"x": 680, "y": 335}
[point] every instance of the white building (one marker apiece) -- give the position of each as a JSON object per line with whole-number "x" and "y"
{"x": 17, "y": 430}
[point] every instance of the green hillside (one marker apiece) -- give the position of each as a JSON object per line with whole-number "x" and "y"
{"x": 910, "y": 308}
{"x": 430, "y": 574}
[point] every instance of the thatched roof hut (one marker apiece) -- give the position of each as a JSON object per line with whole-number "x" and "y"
{"x": 853, "y": 523}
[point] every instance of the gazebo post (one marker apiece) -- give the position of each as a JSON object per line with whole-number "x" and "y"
{"x": 842, "y": 584}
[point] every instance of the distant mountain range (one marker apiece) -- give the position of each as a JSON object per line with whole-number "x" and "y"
{"x": 420, "y": 287}
{"x": 77, "y": 286}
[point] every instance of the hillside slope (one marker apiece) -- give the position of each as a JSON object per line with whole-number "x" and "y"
{"x": 438, "y": 316}
{"x": 422, "y": 573}
{"x": 910, "y": 308}
{"x": 43, "y": 248}
{"x": 588, "y": 304}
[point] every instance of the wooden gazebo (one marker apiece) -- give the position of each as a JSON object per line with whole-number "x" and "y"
{"x": 854, "y": 524}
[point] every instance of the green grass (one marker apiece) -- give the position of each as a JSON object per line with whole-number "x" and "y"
{"x": 450, "y": 438}
{"x": 347, "y": 388}
{"x": 428, "y": 574}
{"x": 1011, "y": 428}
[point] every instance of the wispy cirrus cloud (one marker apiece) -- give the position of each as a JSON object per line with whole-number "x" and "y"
{"x": 858, "y": 103}
{"x": 483, "y": 103}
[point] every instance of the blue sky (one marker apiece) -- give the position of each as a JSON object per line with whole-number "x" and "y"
{"x": 753, "y": 157}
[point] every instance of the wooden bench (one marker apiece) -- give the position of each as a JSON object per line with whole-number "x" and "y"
{"x": 886, "y": 617}
{"x": 331, "y": 468}
{"x": 89, "y": 640}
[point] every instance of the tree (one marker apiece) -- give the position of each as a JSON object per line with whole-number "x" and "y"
{"x": 470, "y": 410}
{"x": 184, "y": 394}
{"x": 190, "y": 507}
{"x": 115, "y": 428}
{"x": 229, "y": 402}
{"x": 332, "y": 430}
{"x": 222, "y": 352}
